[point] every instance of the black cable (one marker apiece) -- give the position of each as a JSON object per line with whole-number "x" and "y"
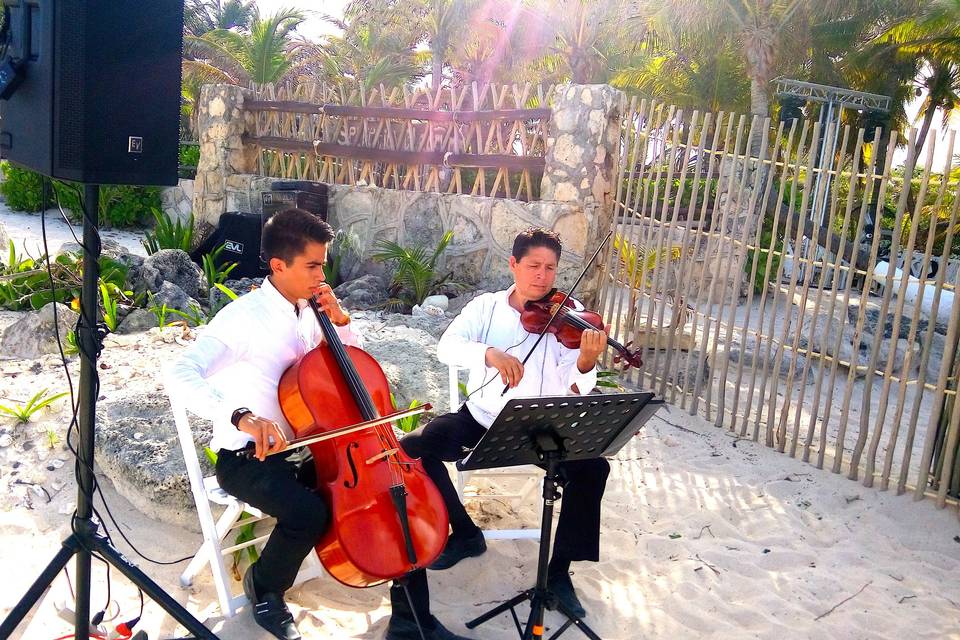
{"x": 74, "y": 402}
{"x": 494, "y": 376}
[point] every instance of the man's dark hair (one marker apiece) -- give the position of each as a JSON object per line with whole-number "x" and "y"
{"x": 535, "y": 237}
{"x": 286, "y": 234}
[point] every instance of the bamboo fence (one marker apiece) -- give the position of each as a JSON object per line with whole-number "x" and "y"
{"x": 709, "y": 204}
{"x": 478, "y": 139}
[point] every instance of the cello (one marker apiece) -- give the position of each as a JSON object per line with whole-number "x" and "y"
{"x": 387, "y": 516}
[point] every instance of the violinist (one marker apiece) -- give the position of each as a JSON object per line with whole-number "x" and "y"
{"x": 488, "y": 339}
{"x": 230, "y": 376}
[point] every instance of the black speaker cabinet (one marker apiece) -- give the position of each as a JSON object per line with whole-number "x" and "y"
{"x": 100, "y": 99}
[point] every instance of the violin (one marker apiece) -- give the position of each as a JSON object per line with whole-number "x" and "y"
{"x": 567, "y": 323}
{"x": 387, "y": 516}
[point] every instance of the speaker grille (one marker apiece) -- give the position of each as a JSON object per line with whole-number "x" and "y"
{"x": 70, "y": 94}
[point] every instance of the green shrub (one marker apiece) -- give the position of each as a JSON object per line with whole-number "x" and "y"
{"x": 167, "y": 234}
{"x": 21, "y": 188}
{"x": 120, "y": 205}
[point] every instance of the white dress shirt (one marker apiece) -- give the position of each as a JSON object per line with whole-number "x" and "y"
{"x": 489, "y": 321}
{"x": 239, "y": 357}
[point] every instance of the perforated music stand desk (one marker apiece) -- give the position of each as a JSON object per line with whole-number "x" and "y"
{"x": 547, "y": 431}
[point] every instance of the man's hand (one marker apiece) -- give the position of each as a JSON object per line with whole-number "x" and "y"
{"x": 592, "y": 344}
{"x": 511, "y": 370}
{"x": 331, "y": 305}
{"x": 268, "y": 436}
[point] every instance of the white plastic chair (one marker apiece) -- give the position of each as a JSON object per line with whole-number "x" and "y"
{"x": 206, "y": 490}
{"x": 532, "y": 475}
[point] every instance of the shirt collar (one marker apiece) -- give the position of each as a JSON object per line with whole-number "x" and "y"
{"x": 274, "y": 298}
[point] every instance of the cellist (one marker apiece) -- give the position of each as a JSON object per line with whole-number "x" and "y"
{"x": 230, "y": 376}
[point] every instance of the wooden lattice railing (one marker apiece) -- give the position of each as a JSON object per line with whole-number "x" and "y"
{"x": 478, "y": 139}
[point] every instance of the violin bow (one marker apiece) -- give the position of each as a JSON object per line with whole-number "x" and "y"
{"x": 560, "y": 306}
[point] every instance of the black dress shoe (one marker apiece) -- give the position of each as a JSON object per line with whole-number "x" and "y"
{"x": 270, "y": 611}
{"x": 562, "y": 588}
{"x": 459, "y": 548}
{"x": 403, "y": 628}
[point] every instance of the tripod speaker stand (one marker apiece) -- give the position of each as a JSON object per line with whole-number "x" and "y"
{"x": 546, "y": 431}
{"x": 86, "y": 538}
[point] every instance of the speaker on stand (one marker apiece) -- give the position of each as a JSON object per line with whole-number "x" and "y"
{"x": 92, "y": 95}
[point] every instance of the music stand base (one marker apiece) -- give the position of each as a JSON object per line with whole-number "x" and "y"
{"x": 531, "y": 596}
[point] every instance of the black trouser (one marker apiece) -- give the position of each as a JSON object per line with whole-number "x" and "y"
{"x": 578, "y": 530}
{"x": 275, "y": 486}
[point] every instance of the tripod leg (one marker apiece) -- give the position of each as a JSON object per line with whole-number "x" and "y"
{"x": 109, "y": 553}
{"x": 500, "y": 608}
{"x": 574, "y": 620}
{"x": 39, "y": 587}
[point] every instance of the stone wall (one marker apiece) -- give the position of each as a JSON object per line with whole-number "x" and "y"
{"x": 577, "y": 188}
{"x": 177, "y": 202}
{"x": 483, "y": 228}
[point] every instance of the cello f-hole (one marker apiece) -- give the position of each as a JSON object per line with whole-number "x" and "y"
{"x": 353, "y": 467}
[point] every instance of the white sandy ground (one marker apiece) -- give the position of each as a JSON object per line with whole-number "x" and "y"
{"x": 704, "y": 536}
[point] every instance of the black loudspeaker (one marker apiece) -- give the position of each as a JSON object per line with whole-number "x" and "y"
{"x": 239, "y": 233}
{"x": 300, "y": 194}
{"x": 99, "y": 101}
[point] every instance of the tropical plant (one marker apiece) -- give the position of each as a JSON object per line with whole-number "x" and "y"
{"x": 111, "y": 309}
{"x": 202, "y": 16}
{"x": 932, "y": 37}
{"x": 218, "y": 302}
{"x": 72, "y": 348}
{"x": 410, "y": 423}
{"x": 415, "y": 273}
{"x": 193, "y": 316}
{"x": 268, "y": 52}
{"x": 216, "y": 273}
{"x": 368, "y": 53}
{"x": 53, "y": 438}
{"x": 581, "y": 38}
{"x": 638, "y": 262}
{"x": 39, "y": 401}
{"x": 245, "y": 532}
{"x": 168, "y": 234}
{"x": 608, "y": 380}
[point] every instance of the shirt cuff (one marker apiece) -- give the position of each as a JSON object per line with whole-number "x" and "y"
{"x": 585, "y": 381}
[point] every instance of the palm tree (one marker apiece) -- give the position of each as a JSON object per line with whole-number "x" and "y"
{"x": 769, "y": 32}
{"x": 931, "y": 36}
{"x": 201, "y": 16}
{"x": 579, "y": 39}
{"x": 369, "y": 53}
{"x": 266, "y": 54}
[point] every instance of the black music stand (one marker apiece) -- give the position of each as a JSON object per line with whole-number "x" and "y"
{"x": 546, "y": 431}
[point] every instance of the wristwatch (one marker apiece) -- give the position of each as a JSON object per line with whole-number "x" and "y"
{"x": 238, "y": 414}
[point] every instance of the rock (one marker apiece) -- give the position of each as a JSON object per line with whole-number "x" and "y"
{"x": 456, "y": 305}
{"x": 871, "y": 319}
{"x": 149, "y": 470}
{"x": 33, "y": 335}
{"x": 434, "y": 325}
{"x": 218, "y": 299}
{"x": 4, "y": 238}
{"x": 426, "y": 310}
{"x": 754, "y": 352}
{"x": 175, "y": 266}
{"x": 5, "y": 440}
{"x": 366, "y": 292}
{"x": 897, "y": 350}
{"x": 442, "y": 302}
{"x": 108, "y": 249}
{"x": 174, "y": 297}
{"x": 411, "y": 377}
{"x": 138, "y": 320}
